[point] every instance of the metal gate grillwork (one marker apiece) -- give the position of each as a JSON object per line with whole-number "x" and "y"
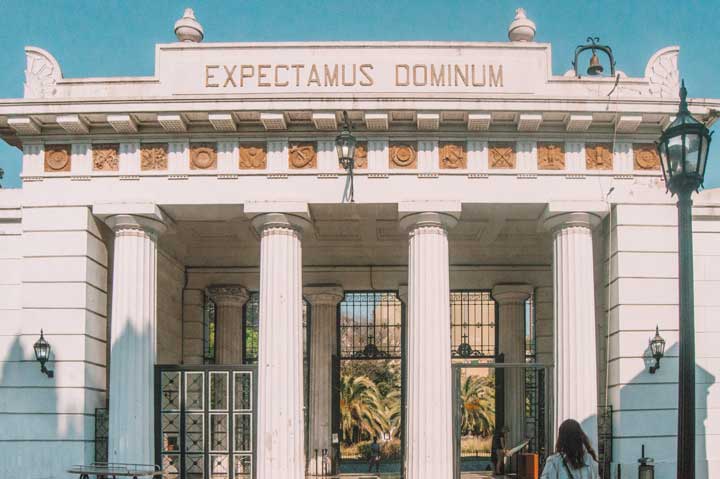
{"x": 370, "y": 325}
{"x": 205, "y": 421}
{"x": 101, "y": 434}
{"x": 605, "y": 434}
{"x": 472, "y": 324}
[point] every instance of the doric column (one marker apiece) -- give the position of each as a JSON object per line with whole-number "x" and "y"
{"x": 575, "y": 356}
{"x": 229, "y": 301}
{"x": 511, "y": 301}
{"x": 133, "y": 338}
{"x": 323, "y": 346}
{"x": 280, "y": 436}
{"x": 429, "y": 452}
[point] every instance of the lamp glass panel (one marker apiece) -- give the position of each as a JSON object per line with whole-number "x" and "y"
{"x": 692, "y": 150}
{"x": 703, "y": 155}
{"x": 42, "y": 350}
{"x": 675, "y": 155}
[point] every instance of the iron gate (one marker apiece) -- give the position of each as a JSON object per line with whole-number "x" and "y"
{"x": 205, "y": 421}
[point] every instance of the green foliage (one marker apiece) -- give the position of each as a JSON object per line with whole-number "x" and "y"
{"x": 478, "y": 398}
{"x": 389, "y": 451}
{"x": 362, "y": 411}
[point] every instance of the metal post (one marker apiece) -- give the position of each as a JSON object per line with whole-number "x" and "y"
{"x": 686, "y": 372}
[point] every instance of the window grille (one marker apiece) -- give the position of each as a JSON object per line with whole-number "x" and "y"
{"x": 370, "y": 325}
{"x": 472, "y": 324}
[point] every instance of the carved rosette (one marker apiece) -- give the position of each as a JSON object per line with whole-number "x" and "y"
{"x": 154, "y": 156}
{"x": 502, "y": 156}
{"x": 105, "y": 157}
{"x": 403, "y": 155}
{"x": 598, "y": 156}
{"x": 57, "y": 158}
{"x": 453, "y": 156}
{"x": 303, "y": 155}
{"x": 645, "y": 157}
{"x": 253, "y": 156}
{"x": 361, "y": 153}
{"x": 203, "y": 156}
{"x": 551, "y": 156}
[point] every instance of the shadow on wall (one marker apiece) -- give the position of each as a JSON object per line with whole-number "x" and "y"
{"x": 649, "y": 407}
{"x": 36, "y": 442}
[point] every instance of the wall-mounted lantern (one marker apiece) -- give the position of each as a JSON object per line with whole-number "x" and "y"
{"x": 42, "y": 354}
{"x": 646, "y": 469}
{"x": 345, "y": 144}
{"x": 595, "y": 68}
{"x": 657, "y": 347}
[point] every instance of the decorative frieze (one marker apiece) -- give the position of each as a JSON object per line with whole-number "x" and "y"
{"x": 453, "y": 155}
{"x": 57, "y": 158}
{"x": 502, "y": 156}
{"x": 551, "y": 156}
{"x": 106, "y": 157}
{"x": 154, "y": 156}
{"x": 403, "y": 155}
{"x": 645, "y": 157}
{"x": 361, "y": 155}
{"x": 253, "y": 156}
{"x": 203, "y": 156}
{"x": 598, "y": 156}
{"x": 303, "y": 155}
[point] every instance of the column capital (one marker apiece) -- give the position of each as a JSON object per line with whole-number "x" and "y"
{"x": 426, "y": 219}
{"x": 289, "y": 221}
{"x": 146, "y": 217}
{"x": 558, "y": 215}
{"x": 511, "y": 293}
{"x": 228, "y": 294}
{"x": 323, "y": 294}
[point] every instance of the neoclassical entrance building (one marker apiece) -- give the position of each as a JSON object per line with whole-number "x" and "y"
{"x": 190, "y": 247}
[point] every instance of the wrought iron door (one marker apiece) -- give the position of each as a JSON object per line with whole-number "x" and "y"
{"x": 205, "y": 421}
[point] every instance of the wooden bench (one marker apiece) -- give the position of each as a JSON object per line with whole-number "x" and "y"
{"x": 114, "y": 470}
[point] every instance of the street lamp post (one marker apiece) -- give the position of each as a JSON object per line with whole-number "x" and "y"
{"x": 683, "y": 149}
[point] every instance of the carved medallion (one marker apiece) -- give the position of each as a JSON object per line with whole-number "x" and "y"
{"x": 303, "y": 155}
{"x": 646, "y": 157}
{"x": 154, "y": 156}
{"x": 57, "y": 158}
{"x": 105, "y": 157}
{"x": 453, "y": 155}
{"x": 361, "y": 152}
{"x": 551, "y": 156}
{"x": 598, "y": 156}
{"x": 403, "y": 155}
{"x": 253, "y": 156}
{"x": 502, "y": 156}
{"x": 203, "y": 156}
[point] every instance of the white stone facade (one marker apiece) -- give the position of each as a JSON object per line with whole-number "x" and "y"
{"x": 143, "y": 195}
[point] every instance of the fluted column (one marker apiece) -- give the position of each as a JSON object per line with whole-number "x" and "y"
{"x": 133, "y": 338}
{"x": 229, "y": 301}
{"x": 280, "y": 436}
{"x": 323, "y": 345}
{"x": 429, "y": 450}
{"x": 511, "y": 302}
{"x": 575, "y": 355}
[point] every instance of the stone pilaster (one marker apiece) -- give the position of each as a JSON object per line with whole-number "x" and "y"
{"x": 429, "y": 452}
{"x": 511, "y": 302}
{"x": 280, "y": 436}
{"x": 133, "y": 338}
{"x": 575, "y": 354}
{"x": 229, "y": 301}
{"x": 323, "y": 301}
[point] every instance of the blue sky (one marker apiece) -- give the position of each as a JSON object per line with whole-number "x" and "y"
{"x": 117, "y": 38}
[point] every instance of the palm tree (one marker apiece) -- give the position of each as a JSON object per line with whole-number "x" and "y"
{"x": 478, "y": 400}
{"x": 361, "y": 408}
{"x": 393, "y": 411}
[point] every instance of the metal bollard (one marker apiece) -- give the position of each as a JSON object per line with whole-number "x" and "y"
{"x": 316, "y": 462}
{"x": 646, "y": 469}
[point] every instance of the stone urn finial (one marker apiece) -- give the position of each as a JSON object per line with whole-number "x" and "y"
{"x": 522, "y": 29}
{"x": 188, "y": 29}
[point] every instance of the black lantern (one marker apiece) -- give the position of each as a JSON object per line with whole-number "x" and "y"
{"x": 42, "y": 354}
{"x": 345, "y": 144}
{"x": 683, "y": 149}
{"x": 657, "y": 347}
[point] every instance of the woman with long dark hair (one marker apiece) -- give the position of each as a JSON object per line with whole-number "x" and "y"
{"x": 574, "y": 456}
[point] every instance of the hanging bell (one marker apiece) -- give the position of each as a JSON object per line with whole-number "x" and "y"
{"x": 595, "y": 67}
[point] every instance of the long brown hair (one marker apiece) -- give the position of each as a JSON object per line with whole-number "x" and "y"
{"x": 573, "y": 443}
